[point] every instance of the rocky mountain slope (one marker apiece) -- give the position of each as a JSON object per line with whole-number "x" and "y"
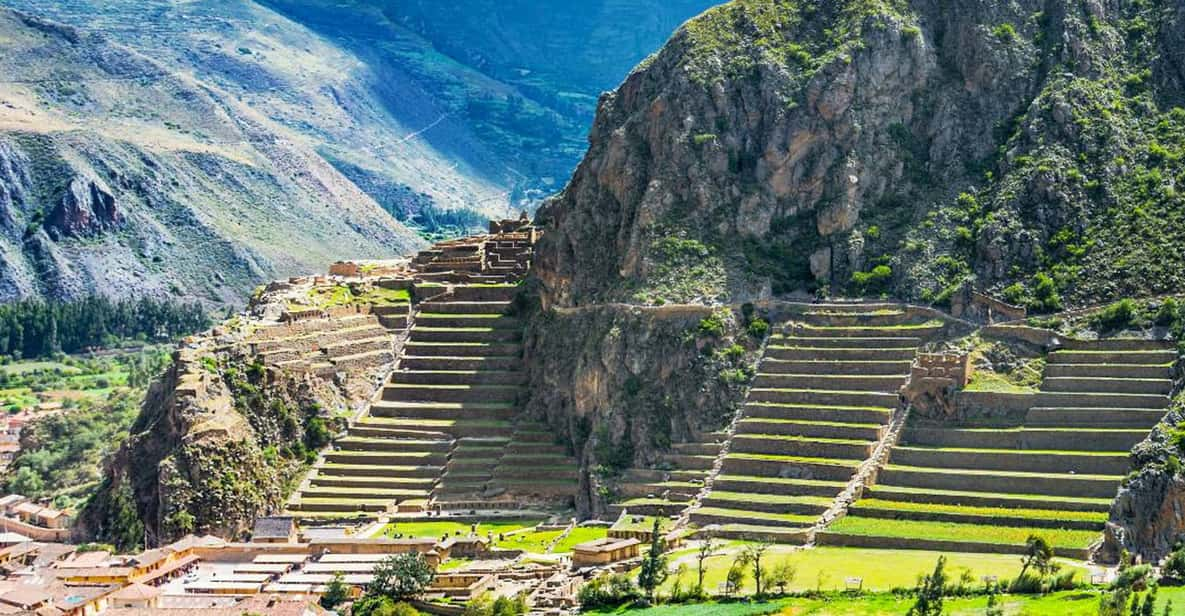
{"x": 120, "y": 176}
{"x": 912, "y": 147}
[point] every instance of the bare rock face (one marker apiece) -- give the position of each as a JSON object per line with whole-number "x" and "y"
{"x": 1148, "y": 515}
{"x": 88, "y": 208}
{"x": 770, "y": 133}
{"x": 619, "y": 384}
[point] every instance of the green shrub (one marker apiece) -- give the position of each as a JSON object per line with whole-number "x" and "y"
{"x": 873, "y": 282}
{"x": 1045, "y": 295}
{"x": 1174, "y": 567}
{"x": 1004, "y": 32}
{"x": 712, "y": 325}
{"x": 1117, "y": 316}
{"x": 1014, "y": 293}
{"x": 759, "y": 328}
{"x": 608, "y": 592}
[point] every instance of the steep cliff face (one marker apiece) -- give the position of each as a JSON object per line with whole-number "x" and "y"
{"x": 1148, "y": 516}
{"x": 619, "y": 384}
{"x": 870, "y": 147}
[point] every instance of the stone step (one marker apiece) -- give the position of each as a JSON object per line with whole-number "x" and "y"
{"x": 818, "y": 412}
{"x": 362, "y": 493}
{"x": 1117, "y": 344}
{"x": 505, "y": 362}
{"x": 378, "y": 470}
{"x": 1108, "y": 385}
{"x": 779, "y": 366}
{"x": 452, "y": 306}
{"x": 396, "y": 392}
{"x": 535, "y": 470}
{"x": 359, "y": 443}
{"x": 790, "y": 353}
{"x": 671, "y": 490}
{"x": 987, "y": 499}
{"x": 462, "y": 349}
{"x": 866, "y": 509}
{"x": 824, "y": 397}
{"x": 1112, "y": 357}
{"x": 535, "y": 447}
{"x": 458, "y": 377}
{"x": 1125, "y": 371}
{"x": 777, "y": 485}
{"x": 765, "y": 503}
{"x": 397, "y": 323}
{"x": 1094, "y": 417}
{"x": 1034, "y": 461}
{"x": 801, "y": 446}
{"x": 436, "y": 320}
{"x": 486, "y": 293}
{"x": 444, "y": 410}
{"x": 391, "y": 458}
{"x": 330, "y": 505}
{"x": 653, "y": 507}
{"x": 370, "y": 430}
{"x": 895, "y": 343}
{"x": 419, "y": 484}
{"x": 358, "y": 347}
{"x": 464, "y": 334}
{"x": 697, "y": 449}
{"x": 689, "y": 462}
{"x": 755, "y": 532}
{"x": 839, "y": 382}
{"x": 706, "y": 516}
{"x": 873, "y": 318}
{"x": 789, "y": 466}
{"x": 1067, "y": 439}
{"x": 831, "y": 538}
{"x": 812, "y": 429}
{"x": 1101, "y": 400}
{"x": 1053, "y": 484}
{"x": 867, "y": 331}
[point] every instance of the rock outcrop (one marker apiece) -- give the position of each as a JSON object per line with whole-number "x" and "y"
{"x": 619, "y": 384}
{"x": 805, "y": 143}
{"x": 88, "y": 208}
{"x": 1148, "y": 516}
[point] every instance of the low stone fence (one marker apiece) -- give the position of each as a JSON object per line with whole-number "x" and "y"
{"x": 936, "y": 545}
{"x": 36, "y": 533}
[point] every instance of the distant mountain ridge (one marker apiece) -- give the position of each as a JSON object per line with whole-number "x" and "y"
{"x": 193, "y": 150}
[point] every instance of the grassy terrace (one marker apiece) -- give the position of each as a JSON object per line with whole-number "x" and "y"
{"x": 817, "y": 483}
{"x": 578, "y": 535}
{"x": 772, "y": 499}
{"x": 987, "y": 512}
{"x": 440, "y": 529}
{"x": 795, "y": 459}
{"x": 803, "y": 520}
{"x": 988, "y": 473}
{"x": 1100, "y": 504}
{"x": 949, "y": 531}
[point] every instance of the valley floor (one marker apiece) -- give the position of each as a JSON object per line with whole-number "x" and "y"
{"x": 1071, "y": 603}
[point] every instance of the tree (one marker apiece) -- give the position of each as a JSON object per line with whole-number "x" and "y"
{"x": 336, "y": 592}
{"x": 753, "y": 554}
{"x": 706, "y": 550}
{"x": 1039, "y": 555}
{"x": 782, "y": 575}
{"x": 736, "y": 576}
{"x": 401, "y": 577}
{"x": 654, "y": 565}
{"x": 993, "y": 604}
{"x": 930, "y": 592}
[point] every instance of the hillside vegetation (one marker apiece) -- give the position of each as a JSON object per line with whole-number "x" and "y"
{"x": 902, "y": 147}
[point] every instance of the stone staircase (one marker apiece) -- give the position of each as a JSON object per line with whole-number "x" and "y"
{"x": 534, "y": 468}
{"x": 671, "y": 485}
{"x": 985, "y": 485}
{"x": 825, "y": 391}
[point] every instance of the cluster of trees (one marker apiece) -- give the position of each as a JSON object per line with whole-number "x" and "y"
{"x": 34, "y": 328}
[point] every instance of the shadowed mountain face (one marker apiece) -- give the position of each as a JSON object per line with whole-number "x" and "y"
{"x": 194, "y": 149}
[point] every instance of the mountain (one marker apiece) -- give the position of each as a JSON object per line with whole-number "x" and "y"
{"x": 192, "y": 166}
{"x": 120, "y": 176}
{"x": 915, "y": 148}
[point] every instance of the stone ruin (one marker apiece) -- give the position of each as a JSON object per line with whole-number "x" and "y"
{"x": 933, "y": 380}
{"x": 977, "y": 306}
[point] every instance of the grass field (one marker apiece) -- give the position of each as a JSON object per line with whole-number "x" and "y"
{"x": 535, "y": 542}
{"x": 1071, "y": 603}
{"x": 1036, "y": 514}
{"x": 442, "y": 528}
{"x": 949, "y": 531}
{"x": 827, "y": 568}
{"x": 579, "y": 535}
